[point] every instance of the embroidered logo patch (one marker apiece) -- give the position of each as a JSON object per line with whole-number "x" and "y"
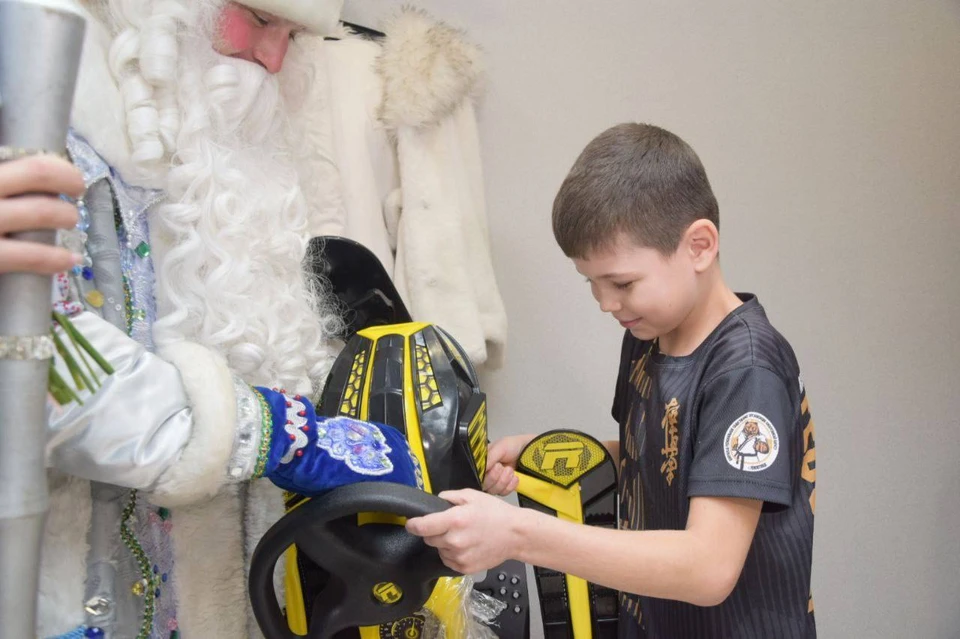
{"x": 751, "y": 443}
{"x": 671, "y": 440}
{"x": 362, "y": 446}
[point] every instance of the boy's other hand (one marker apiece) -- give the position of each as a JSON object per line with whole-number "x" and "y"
{"x": 28, "y": 201}
{"x": 478, "y": 533}
{"x": 501, "y": 478}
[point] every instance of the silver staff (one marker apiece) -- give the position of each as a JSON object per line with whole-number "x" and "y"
{"x": 40, "y": 45}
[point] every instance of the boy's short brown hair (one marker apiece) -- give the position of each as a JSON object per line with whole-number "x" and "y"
{"x": 633, "y": 179}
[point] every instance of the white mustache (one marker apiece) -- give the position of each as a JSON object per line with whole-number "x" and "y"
{"x": 242, "y": 95}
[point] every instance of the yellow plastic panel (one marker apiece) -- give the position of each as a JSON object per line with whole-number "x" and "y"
{"x": 566, "y": 502}
{"x": 562, "y": 457}
{"x": 296, "y": 611}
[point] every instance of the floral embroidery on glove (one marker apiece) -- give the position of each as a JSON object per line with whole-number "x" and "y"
{"x": 360, "y": 444}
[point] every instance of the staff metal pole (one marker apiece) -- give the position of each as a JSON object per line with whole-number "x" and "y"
{"x": 40, "y": 46}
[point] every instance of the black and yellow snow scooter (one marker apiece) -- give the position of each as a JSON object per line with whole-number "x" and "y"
{"x": 352, "y": 570}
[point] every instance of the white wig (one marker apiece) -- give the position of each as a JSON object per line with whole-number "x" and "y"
{"x": 222, "y": 136}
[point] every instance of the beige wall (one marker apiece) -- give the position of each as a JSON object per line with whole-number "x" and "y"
{"x": 831, "y": 134}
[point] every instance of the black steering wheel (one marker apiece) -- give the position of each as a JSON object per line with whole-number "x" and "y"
{"x": 378, "y": 572}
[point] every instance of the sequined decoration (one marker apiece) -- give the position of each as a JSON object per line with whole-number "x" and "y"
{"x": 153, "y": 530}
{"x": 9, "y": 153}
{"x": 246, "y": 441}
{"x": 27, "y": 347}
{"x": 417, "y": 471}
{"x": 148, "y": 580}
{"x": 94, "y": 298}
{"x": 266, "y": 434}
{"x": 132, "y": 233}
{"x": 64, "y": 297}
{"x": 144, "y": 529}
{"x": 83, "y": 632}
{"x": 138, "y": 277}
{"x": 134, "y": 315}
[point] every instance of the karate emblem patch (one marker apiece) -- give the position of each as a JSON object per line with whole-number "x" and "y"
{"x": 751, "y": 443}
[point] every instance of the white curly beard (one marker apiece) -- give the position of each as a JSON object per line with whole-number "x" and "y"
{"x": 231, "y": 237}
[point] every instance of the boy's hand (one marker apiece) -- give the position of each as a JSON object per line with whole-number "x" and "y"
{"x": 502, "y": 456}
{"x": 478, "y": 533}
{"x": 38, "y": 180}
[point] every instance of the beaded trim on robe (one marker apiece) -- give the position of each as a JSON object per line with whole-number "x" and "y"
{"x": 144, "y": 529}
{"x": 133, "y": 233}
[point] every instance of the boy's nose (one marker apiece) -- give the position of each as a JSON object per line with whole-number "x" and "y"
{"x": 609, "y": 304}
{"x": 271, "y": 50}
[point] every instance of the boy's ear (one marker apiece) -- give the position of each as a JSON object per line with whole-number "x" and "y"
{"x": 702, "y": 240}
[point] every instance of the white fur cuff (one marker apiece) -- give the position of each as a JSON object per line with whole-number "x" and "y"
{"x": 202, "y": 467}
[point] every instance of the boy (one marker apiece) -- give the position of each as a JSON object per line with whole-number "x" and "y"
{"x": 716, "y": 457}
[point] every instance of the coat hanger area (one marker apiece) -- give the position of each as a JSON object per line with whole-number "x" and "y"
{"x": 364, "y": 31}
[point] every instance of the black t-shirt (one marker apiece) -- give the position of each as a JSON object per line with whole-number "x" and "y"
{"x": 729, "y": 420}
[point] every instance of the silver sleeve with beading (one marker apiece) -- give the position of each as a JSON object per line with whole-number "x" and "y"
{"x": 134, "y": 427}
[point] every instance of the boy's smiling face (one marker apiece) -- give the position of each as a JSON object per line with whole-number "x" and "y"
{"x": 649, "y": 294}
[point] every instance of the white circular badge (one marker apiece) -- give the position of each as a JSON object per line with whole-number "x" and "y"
{"x": 751, "y": 443}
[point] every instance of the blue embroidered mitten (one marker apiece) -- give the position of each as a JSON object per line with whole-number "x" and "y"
{"x": 310, "y": 456}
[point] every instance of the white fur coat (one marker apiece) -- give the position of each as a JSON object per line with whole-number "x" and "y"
{"x": 405, "y": 142}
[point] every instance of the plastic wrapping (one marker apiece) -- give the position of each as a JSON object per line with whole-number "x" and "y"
{"x": 457, "y": 611}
